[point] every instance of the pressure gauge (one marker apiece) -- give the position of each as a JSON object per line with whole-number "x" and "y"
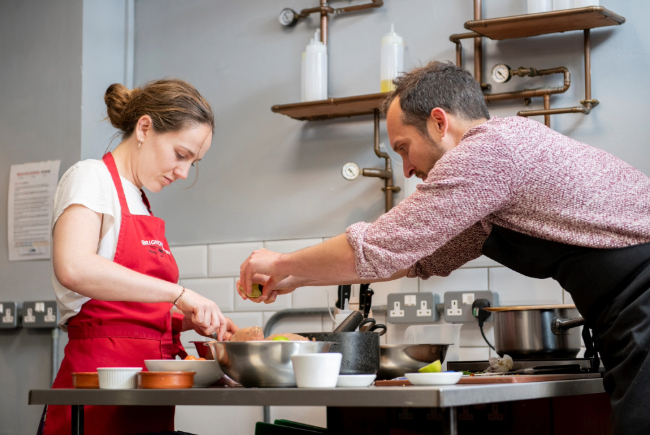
{"x": 288, "y": 17}
{"x": 350, "y": 171}
{"x": 501, "y": 73}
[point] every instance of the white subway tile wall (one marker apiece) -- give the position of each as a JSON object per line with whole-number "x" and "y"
{"x": 192, "y": 260}
{"x": 225, "y": 259}
{"x": 219, "y": 290}
{"x": 212, "y": 270}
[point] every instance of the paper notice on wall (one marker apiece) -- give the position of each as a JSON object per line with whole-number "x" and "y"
{"x": 31, "y": 196}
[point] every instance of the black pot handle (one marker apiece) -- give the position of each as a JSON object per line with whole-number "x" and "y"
{"x": 563, "y": 326}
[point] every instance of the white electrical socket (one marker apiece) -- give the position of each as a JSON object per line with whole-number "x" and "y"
{"x": 454, "y": 310}
{"x": 29, "y": 317}
{"x": 424, "y": 311}
{"x": 397, "y": 311}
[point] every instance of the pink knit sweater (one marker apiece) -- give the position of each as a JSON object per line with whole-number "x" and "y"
{"x": 515, "y": 173}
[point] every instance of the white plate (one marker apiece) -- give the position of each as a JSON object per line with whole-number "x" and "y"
{"x": 207, "y": 372}
{"x": 449, "y": 378}
{"x": 355, "y": 381}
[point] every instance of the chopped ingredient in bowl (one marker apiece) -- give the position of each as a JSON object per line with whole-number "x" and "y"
{"x": 251, "y": 333}
{"x": 280, "y": 338}
{"x": 289, "y": 336}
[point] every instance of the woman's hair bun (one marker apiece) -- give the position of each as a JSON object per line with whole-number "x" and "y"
{"x": 117, "y": 97}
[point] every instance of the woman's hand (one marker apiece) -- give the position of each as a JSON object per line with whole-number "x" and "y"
{"x": 231, "y": 328}
{"x": 204, "y": 314}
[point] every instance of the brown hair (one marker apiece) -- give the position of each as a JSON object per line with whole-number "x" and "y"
{"x": 438, "y": 84}
{"x": 172, "y": 105}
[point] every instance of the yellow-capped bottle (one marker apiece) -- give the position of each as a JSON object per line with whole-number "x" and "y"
{"x": 392, "y": 59}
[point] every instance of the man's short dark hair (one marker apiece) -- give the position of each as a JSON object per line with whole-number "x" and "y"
{"x": 439, "y": 84}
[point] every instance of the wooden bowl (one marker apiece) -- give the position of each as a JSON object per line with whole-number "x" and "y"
{"x": 85, "y": 380}
{"x": 165, "y": 380}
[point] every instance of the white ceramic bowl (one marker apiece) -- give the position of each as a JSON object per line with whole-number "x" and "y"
{"x": 207, "y": 372}
{"x": 355, "y": 381}
{"x": 445, "y": 378}
{"x": 118, "y": 378}
{"x": 316, "y": 370}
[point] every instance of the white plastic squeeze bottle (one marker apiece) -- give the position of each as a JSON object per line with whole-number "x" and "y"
{"x": 316, "y": 69}
{"x": 392, "y": 59}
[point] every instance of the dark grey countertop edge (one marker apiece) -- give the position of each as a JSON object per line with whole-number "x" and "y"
{"x": 425, "y": 397}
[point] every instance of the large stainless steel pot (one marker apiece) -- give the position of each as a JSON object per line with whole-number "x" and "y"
{"x": 537, "y": 332}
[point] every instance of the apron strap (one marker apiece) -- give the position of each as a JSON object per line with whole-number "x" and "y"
{"x": 109, "y": 161}
{"x": 146, "y": 201}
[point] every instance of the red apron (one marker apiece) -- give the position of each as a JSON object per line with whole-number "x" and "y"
{"x": 123, "y": 334}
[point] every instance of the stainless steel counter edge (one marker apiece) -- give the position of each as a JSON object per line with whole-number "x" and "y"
{"x": 424, "y": 397}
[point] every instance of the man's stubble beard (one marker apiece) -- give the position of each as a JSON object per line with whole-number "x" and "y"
{"x": 436, "y": 153}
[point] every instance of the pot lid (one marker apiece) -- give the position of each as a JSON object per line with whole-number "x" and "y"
{"x": 528, "y": 307}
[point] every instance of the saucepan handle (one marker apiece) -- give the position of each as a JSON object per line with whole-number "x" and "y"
{"x": 563, "y": 326}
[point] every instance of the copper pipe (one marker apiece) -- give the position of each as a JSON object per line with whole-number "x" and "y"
{"x": 455, "y": 38}
{"x": 547, "y": 106}
{"x": 478, "y": 44}
{"x": 323, "y": 21}
{"x": 385, "y": 174}
{"x": 374, "y": 4}
{"x": 553, "y": 111}
{"x": 534, "y": 92}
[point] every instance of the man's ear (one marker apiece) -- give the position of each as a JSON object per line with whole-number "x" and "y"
{"x": 438, "y": 123}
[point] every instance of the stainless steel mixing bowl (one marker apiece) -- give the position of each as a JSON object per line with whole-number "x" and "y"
{"x": 263, "y": 363}
{"x": 397, "y": 359}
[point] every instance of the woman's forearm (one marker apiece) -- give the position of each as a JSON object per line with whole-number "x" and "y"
{"x": 98, "y": 278}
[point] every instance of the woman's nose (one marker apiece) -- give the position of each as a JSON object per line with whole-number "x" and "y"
{"x": 182, "y": 172}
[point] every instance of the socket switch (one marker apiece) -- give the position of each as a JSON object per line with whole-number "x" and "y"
{"x": 412, "y": 308}
{"x": 40, "y": 314}
{"x": 458, "y": 305}
{"x": 9, "y": 315}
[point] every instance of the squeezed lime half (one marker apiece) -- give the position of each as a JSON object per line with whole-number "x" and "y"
{"x": 280, "y": 338}
{"x": 434, "y": 367}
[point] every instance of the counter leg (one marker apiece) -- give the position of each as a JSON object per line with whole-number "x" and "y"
{"x": 77, "y": 419}
{"x": 449, "y": 421}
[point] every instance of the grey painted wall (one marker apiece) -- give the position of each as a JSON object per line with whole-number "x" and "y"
{"x": 40, "y": 119}
{"x": 269, "y": 176}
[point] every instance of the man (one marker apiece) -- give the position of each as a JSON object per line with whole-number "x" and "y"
{"x": 516, "y": 191}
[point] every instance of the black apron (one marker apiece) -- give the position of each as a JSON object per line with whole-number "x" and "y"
{"x": 610, "y": 289}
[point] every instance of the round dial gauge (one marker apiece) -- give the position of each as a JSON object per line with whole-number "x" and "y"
{"x": 350, "y": 171}
{"x": 501, "y": 73}
{"x": 288, "y": 17}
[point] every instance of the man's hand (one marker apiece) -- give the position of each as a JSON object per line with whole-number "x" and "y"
{"x": 271, "y": 290}
{"x": 261, "y": 262}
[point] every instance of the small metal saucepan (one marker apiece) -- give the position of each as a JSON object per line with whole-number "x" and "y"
{"x": 537, "y": 332}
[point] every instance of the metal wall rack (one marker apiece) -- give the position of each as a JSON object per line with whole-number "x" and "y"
{"x": 517, "y": 26}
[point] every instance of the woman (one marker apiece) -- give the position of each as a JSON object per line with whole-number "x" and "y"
{"x": 114, "y": 276}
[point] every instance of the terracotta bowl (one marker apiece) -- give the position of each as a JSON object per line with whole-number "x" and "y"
{"x": 85, "y": 380}
{"x": 165, "y": 380}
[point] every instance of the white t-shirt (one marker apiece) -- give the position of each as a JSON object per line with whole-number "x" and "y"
{"x": 89, "y": 183}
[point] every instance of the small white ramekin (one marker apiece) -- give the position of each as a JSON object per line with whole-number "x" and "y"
{"x": 316, "y": 370}
{"x": 118, "y": 378}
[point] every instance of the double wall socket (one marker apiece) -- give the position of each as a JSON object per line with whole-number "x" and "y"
{"x": 9, "y": 315}
{"x": 458, "y": 305}
{"x": 41, "y": 314}
{"x": 412, "y": 308}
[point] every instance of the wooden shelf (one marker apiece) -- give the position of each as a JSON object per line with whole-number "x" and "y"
{"x": 332, "y": 107}
{"x": 520, "y": 26}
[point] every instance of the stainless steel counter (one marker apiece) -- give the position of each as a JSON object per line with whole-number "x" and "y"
{"x": 441, "y": 397}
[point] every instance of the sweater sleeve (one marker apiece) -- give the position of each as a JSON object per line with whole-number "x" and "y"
{"x": 471, "y": 181}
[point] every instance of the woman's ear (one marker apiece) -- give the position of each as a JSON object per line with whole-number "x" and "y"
{"x": 144, "y": 126}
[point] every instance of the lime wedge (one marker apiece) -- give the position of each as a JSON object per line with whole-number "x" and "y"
{"x": 257, "y": 292}
{"x": 280, "y": 338}
{"x": 434, "y": 367}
